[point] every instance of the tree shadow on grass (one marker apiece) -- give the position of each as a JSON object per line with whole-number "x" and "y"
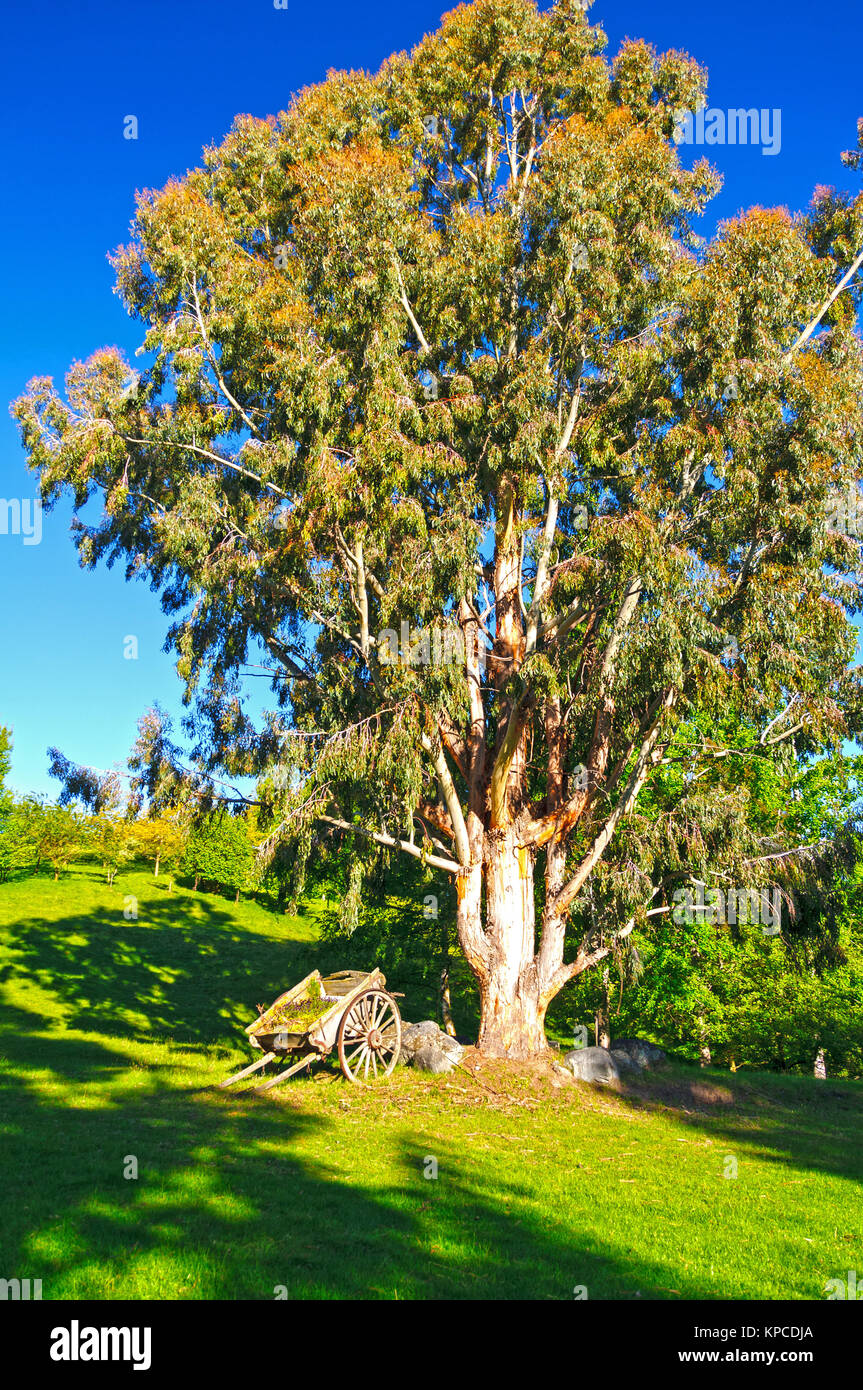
{"x": 230, "y": 1203}
{"x": 185, "y": 972}
{"x": 240, "y": 1195}
{"x": 807, "y": 1124}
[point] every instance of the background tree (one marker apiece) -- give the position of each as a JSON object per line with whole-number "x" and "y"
{"x": 86, "y": 786}
{"x": 438, "y": 347}
{"x": 9, "y": 843}
{"x": 5, "y": 763}
{"x": 112, "y": 840}
{"x": 161, "y": 840}
{"x": 52, "y": 832}
{"x": 110, "y": 834}
{"x": 15, "y": 849}
{"x": 709, "y": 980}
{"x": 219, "y": 851}
{"x": 20, "y": 840}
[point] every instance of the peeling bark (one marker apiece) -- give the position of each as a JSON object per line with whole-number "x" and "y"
{"x": 513, "y": 1011}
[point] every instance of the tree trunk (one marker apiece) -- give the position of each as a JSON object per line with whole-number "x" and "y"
{"x": 445, "y": 1001}
{"x": 197, "y": 877}
{"x": 512, "y": 1021}
{"x": 603, "y": 1036}
{"x": 820, "y": 1069}
{"x": 156, "y": 870}
{"x": 705, "y": 1057}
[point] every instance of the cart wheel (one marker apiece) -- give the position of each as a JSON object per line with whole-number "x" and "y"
{"x": 370, "y": 1036}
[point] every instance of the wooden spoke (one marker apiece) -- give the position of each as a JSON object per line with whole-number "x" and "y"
{"x": 369, "y": 1037}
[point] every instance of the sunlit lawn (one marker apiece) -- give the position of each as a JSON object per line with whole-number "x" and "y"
{"x": 115, "y": 1031}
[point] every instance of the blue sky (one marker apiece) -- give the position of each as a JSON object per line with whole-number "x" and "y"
{"x": 184, "y": 68}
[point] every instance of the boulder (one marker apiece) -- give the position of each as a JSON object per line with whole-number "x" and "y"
{"x": 413, "y": 1035}
{"x": 624, "y": 1062}
{"x": 642, "y": 1054}
{"x": 434, "y": 1059}
{"x": 426, "y": 1046}
{"x": 592, "y": 1064}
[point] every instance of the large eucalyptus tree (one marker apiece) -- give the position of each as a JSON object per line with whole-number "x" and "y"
{"x": 446, "y": 409}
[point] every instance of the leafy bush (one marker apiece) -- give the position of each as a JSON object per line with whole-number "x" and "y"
{"x": 219, "y": 851}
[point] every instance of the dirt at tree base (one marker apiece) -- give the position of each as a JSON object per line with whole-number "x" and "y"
{"x": 544, "y": 1078}
{"x": 534, "y": 1077}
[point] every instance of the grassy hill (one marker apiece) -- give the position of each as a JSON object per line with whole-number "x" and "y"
{"x": 114, "y": 1031}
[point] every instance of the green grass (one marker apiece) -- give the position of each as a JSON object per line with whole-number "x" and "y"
{"x": 114, "y": 1033}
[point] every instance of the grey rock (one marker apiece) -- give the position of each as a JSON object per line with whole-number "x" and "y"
{"x": 426, "y": 1046}
{"x": 643, "y": 1054}
{"x": 625, "y": 1062}
{"x": 413, "y": 1033}
{"x": 433, "y": 1059}
{"x": 592, "y": 1064}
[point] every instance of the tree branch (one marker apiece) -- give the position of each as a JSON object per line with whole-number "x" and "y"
{"x": 831, "y": 299}
{"x": 381, "y": 838}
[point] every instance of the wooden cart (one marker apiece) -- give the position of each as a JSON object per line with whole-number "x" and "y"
{"x": 362, "y": 1022}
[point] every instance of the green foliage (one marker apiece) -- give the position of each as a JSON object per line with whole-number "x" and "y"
{"x": 114, "y": 840}
{"x": 406, "y": 924}
{"x": 219, "y": 851}
{"x": 744, "y": 996}
{"x": 5, "y": 762}
{"x": 692, "y": 979}
{"x": 17, "y": 850}
{"x": 41, "y": 831}
{"x": 161, "y": 839}
{"x": 9, "y": 841}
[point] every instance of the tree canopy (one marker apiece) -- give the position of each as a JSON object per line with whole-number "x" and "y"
{"x": 436, "y": 355}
